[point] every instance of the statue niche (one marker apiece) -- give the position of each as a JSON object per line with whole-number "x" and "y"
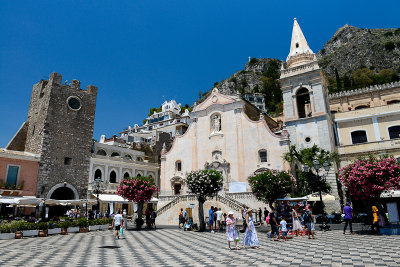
{"x": 215, "y": 123}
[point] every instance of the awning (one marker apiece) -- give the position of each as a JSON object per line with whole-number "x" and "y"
{"x": 20, "y": 201}
{"x": 70, "y": 202}
{"x": 293, "y": 199}
{"x": 390, "y": 194}
{"x": 325, "y": 197}
{"x": 118, "y": 199}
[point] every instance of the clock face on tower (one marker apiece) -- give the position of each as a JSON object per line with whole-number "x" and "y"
{"x": 74, "y": 103}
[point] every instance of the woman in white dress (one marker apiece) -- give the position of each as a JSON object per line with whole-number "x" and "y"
{"x": 231, "y": 231}
{"x": 296, "y": 222}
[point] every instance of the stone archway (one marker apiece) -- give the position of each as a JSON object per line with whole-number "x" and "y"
{"x": 61, "y": 191}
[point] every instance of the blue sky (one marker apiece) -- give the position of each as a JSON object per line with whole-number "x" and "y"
{"x": 140, "y": 53}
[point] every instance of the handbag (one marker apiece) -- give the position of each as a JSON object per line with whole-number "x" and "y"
{"x": 237, "y": 236}
{"x": 121, "y": 230}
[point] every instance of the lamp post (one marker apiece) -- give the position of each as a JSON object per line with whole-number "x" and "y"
{"x": 96, "y": 185}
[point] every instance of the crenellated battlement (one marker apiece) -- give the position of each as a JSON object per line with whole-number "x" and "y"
{"x": 364, "y": 90}
{"x": 56, "y": 78}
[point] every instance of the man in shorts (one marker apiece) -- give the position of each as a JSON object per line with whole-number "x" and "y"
{"x": 117, "y": 222}
{"x": 274, "y": 224}
{"x": 309, "y": 220}
{"x": 219, "y": 219}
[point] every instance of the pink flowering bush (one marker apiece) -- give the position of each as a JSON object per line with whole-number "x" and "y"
{"x": 368, "y": 178}
{"x": 271, "y": 185}
{"x": 137, "y": 189}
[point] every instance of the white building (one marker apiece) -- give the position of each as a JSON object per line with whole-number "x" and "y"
{"x": 168, "y": 120}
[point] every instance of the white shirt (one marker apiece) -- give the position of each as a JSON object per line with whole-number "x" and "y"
{"x": 117, "y": 219}
{"x": 219, "y": 215}
{"x": 283, "y": 226}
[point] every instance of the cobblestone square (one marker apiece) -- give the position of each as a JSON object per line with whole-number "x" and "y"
{"x": 168, "y": 246}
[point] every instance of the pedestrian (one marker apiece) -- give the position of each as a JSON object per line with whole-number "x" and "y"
{"x": 283, "y": 228}
{"x": 348, "y": 211}
{"x": 215, "y": 218}
{"x": 125, "y": 217}
{"x": 117, "y": 222}
{"x": 153, "y": 219}
{"x": 266, "y": 212}
{"x": 185, "y": 216}
{"x": 231, "y": 231}
{"x": 260, "y": 215}
{"x": 244, "y": 210}
{"x": 250, "y": 238}
{"x": 296, "y": 221}
{"x": 180, "y": 218}
{"x": 375, "y": 221}
{"x": 211, "y": 218}
{"x": 219, "y": 219}
{"x": 309, "y": 220}
{"x": 274, "y": 224}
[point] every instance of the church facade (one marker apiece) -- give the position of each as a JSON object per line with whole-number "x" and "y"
{"x": 229, "y": 135}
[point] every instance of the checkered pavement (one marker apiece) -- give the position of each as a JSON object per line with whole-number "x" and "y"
{"x": 173, "y": 247}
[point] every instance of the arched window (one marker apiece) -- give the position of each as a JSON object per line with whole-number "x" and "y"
{"x": 359, "y": 137}
{"x": 393, "y": 102}
{"x": 139, "y": 159}
{"x": 138, "y": 175}
{"x": 113, "y": 177}
{"x": 394, "y": 132}
{"x": 178, "y": 165}
{"x": 263, "y": 155}
{"x": 101, "y": 152}
{"x": 128, "y": 157}
{"x": 97, "y": 174}
{"x": 115, "y": 154}
{"x": 361, "y": 107}
{"x": 126, "y": 175}
{"x": 150, "y": 176}
{"x": 303, "y": 103}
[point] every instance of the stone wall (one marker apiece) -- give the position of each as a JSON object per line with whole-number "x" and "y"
{"x": 61, "y": 134}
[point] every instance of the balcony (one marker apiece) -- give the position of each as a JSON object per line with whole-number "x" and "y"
{"x": 370, "y": 147}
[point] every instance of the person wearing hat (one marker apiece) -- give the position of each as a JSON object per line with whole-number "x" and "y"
{"x": 231, "y": 231}
{"x": 250, "y": 238}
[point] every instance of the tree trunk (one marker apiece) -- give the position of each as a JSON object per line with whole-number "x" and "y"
{"x": 140, "y": 210}
{"x": 201, "y": 217}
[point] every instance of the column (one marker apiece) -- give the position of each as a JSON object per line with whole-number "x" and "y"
{"x": 376, "y": 129}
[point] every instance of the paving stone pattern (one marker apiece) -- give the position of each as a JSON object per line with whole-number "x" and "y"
{"x": 173, "y": 247}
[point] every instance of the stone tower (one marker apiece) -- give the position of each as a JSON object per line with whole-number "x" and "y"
{"x": 306, "y": 108}
{"x": 60, "y": 129}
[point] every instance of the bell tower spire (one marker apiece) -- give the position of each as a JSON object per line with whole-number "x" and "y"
{"x": 300, "y": 53}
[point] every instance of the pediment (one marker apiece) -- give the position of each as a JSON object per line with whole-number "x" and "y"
{"x": 216, "y": 98}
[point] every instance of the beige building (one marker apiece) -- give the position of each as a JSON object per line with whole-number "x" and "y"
{"x": 367, "y": 121}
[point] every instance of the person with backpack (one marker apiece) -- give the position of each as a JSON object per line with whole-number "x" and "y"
{"x": 308, "y": 218}
{"x": 180, "y": 218}
{"x": 153, "y": 217}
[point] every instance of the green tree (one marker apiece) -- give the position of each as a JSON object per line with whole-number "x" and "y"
{"x": 338, "y": 81}
{"x": 306, "y": 156}
{"x": 386, "y": 76}
{"x": 347, "y": 83}
{"x": 271, "y": 185}
{"x": 204, "y": 184}
{"x": 363, "y": 77}
{"x": 200, "y": 95}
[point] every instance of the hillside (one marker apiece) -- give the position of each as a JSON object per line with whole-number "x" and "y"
{"x": 352, "y": 58}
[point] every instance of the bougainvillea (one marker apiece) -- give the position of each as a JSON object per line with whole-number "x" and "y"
{"x": 271, "y": 185}
{"x": 137, "y": 189}
{"x": 203, "y": 183}
{"x": 369, "y": 178}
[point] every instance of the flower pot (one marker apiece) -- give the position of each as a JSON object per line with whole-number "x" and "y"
{"x": 42, "y": 233}
{"x": 83, "y": 230}
{"x": 54, "y": 231}
{"x": 26, "y": 233}
{"x": 64, "y": 231}
{"x": 94, "y": 227}
{"x": 18, "y": 235}
{"x": 7, "y": 236}
{"x": 73, "y": 229}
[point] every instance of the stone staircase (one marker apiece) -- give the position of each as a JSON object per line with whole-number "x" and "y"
{"x": 226, "y": 200}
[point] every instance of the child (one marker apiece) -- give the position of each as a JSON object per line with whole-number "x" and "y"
{"x": 188, "y": 225}
{"x": 283, "y": 228}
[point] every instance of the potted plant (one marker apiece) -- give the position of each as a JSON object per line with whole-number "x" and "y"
{"x": 64, "y": 227}
{"x": 104, "y": 224}
{"x": 73, "y": 227}
{"x": 29, "y": 229}
{"x": 54, "y": 228}
{"x": 20, "y": 186}
{"x": 83, "y": 225}
{"x": 93, "y": 225}
{"x": 6, "y": 231}
{"x": 42, "y": 226}
{"x": 3, "y": 185}
{"x": 12, "y": 187}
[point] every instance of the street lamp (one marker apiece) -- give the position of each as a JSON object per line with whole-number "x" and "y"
{"x": 96, "y": 186}
{"x": 317, "y": 167}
